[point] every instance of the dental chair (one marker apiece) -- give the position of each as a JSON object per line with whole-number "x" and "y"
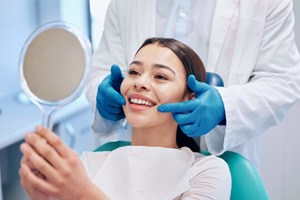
{"x": 246, "y": 182}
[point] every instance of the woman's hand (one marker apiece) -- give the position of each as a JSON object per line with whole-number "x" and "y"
{"x": 51, "y": 169}
{"x": 33, "y": 193}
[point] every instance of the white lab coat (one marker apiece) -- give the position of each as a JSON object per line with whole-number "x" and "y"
{"x": 251, "y": 46}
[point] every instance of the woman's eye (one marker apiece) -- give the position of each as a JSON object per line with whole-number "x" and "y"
{"x": 161, "y": 76}
{"x": 133, "y": 72}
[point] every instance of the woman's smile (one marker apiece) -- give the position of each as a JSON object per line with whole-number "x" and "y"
{"x": 140, "y": 102}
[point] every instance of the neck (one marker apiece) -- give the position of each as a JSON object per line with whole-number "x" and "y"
{"x": 155, "y": 136}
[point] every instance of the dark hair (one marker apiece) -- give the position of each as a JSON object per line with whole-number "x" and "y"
{"x": 193, "y": 65}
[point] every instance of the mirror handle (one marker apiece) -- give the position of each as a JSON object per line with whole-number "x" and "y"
{"x": 48, "y": 112}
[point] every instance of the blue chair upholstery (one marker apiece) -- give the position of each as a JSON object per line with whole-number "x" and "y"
{"x": 110, "y": 146}
{"x": 246, "y": 182}
{"x": 214, "y": 79}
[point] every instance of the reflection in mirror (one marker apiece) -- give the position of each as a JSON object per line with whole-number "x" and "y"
{"x": 54, "y": 65}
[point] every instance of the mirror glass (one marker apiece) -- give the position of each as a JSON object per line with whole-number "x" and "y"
{"x": 54, "y": 66}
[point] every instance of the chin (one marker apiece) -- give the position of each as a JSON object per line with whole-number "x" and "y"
{"x": 138, "y": 121}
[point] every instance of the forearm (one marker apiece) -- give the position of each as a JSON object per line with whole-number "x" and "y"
{"x": 272, "y": 86}
{"x": 109, "y": 52}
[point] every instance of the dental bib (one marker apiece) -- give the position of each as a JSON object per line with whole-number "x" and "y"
{"x": 138, "y": 172}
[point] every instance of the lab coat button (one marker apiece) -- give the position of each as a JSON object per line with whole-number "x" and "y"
{"x": 182, "y": 14}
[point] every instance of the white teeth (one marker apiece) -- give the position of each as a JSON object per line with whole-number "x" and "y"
{"x": 140, "y": 101}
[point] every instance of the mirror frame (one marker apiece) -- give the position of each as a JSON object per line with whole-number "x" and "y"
{"x": 85, "y": 44}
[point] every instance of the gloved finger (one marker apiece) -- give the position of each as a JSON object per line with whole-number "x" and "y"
{"x": 110, "y": 95}
{"x": 196, "y": 86}
{"x": 197, "y": 128}
{"x": 110, "y": 109}
{"x": 181, "y": 107}
{"x": 190, "y": 130}
{"x": 108, "y": 105}
{"x": 113, "y": 117}
{"x": 183, "y": 118}
{"x": 116, "y": 74}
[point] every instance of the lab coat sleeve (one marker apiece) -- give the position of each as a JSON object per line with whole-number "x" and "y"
{"x": 109, "y": 52}
{"x": 273, "y": 87}
{"x": 118, "y": 45}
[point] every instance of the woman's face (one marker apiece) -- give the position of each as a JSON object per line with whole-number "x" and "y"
{"x": 156, "y": 76}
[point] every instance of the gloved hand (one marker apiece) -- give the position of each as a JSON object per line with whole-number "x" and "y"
{"x": 109, "y": 99}
{"x": 198, "y": 116}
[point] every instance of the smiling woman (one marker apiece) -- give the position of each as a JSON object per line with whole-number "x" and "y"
{"x": 157, "y": 165}
{"x": 156, "y": 76}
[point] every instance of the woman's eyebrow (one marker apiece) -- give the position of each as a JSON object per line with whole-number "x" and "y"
{"x": 139, "y": 63}
{"x": 164, "y": 67}
{"x": 135, "y": 62}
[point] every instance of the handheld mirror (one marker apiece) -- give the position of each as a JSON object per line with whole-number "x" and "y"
{"x": 54, "y": 67}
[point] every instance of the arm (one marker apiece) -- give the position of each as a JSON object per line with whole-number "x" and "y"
{"x": 263, "y": 81}
{"x": 109, "y": 52}
{"x": 50, "y": 169}
{"x": 124, "y": 32}
{"x": 272, "y": 88}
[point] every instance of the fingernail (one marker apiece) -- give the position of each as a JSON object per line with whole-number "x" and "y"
{"x": 28, "y": 135}
{"x": 23, "y": 147}
{"x": 39, "y": 128}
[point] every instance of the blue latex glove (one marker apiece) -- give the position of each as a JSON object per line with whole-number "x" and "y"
{"x": 109, "y": 100}
{"x": 198, "y": 116}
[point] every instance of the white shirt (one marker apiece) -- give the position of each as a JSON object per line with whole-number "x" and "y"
{"x": 138, "y": 172}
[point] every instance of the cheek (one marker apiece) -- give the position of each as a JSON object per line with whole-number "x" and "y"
{"x": 124, "y": 87}
{"x": 171, "y": 94}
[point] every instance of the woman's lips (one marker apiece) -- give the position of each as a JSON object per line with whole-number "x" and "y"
{"x": 140, "y": 102}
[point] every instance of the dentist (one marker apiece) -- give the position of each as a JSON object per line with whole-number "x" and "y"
{"x": 250, "y": 44}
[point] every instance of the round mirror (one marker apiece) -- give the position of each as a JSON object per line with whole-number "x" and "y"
{"x": 54, "y": 66}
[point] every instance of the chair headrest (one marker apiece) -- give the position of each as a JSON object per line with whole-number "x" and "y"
{"x": 214, "y": 79}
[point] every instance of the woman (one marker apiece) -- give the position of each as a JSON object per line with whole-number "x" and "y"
{"x": 155, "y": 166}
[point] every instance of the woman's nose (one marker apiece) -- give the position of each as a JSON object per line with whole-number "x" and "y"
{"x": 142, "y": 83}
